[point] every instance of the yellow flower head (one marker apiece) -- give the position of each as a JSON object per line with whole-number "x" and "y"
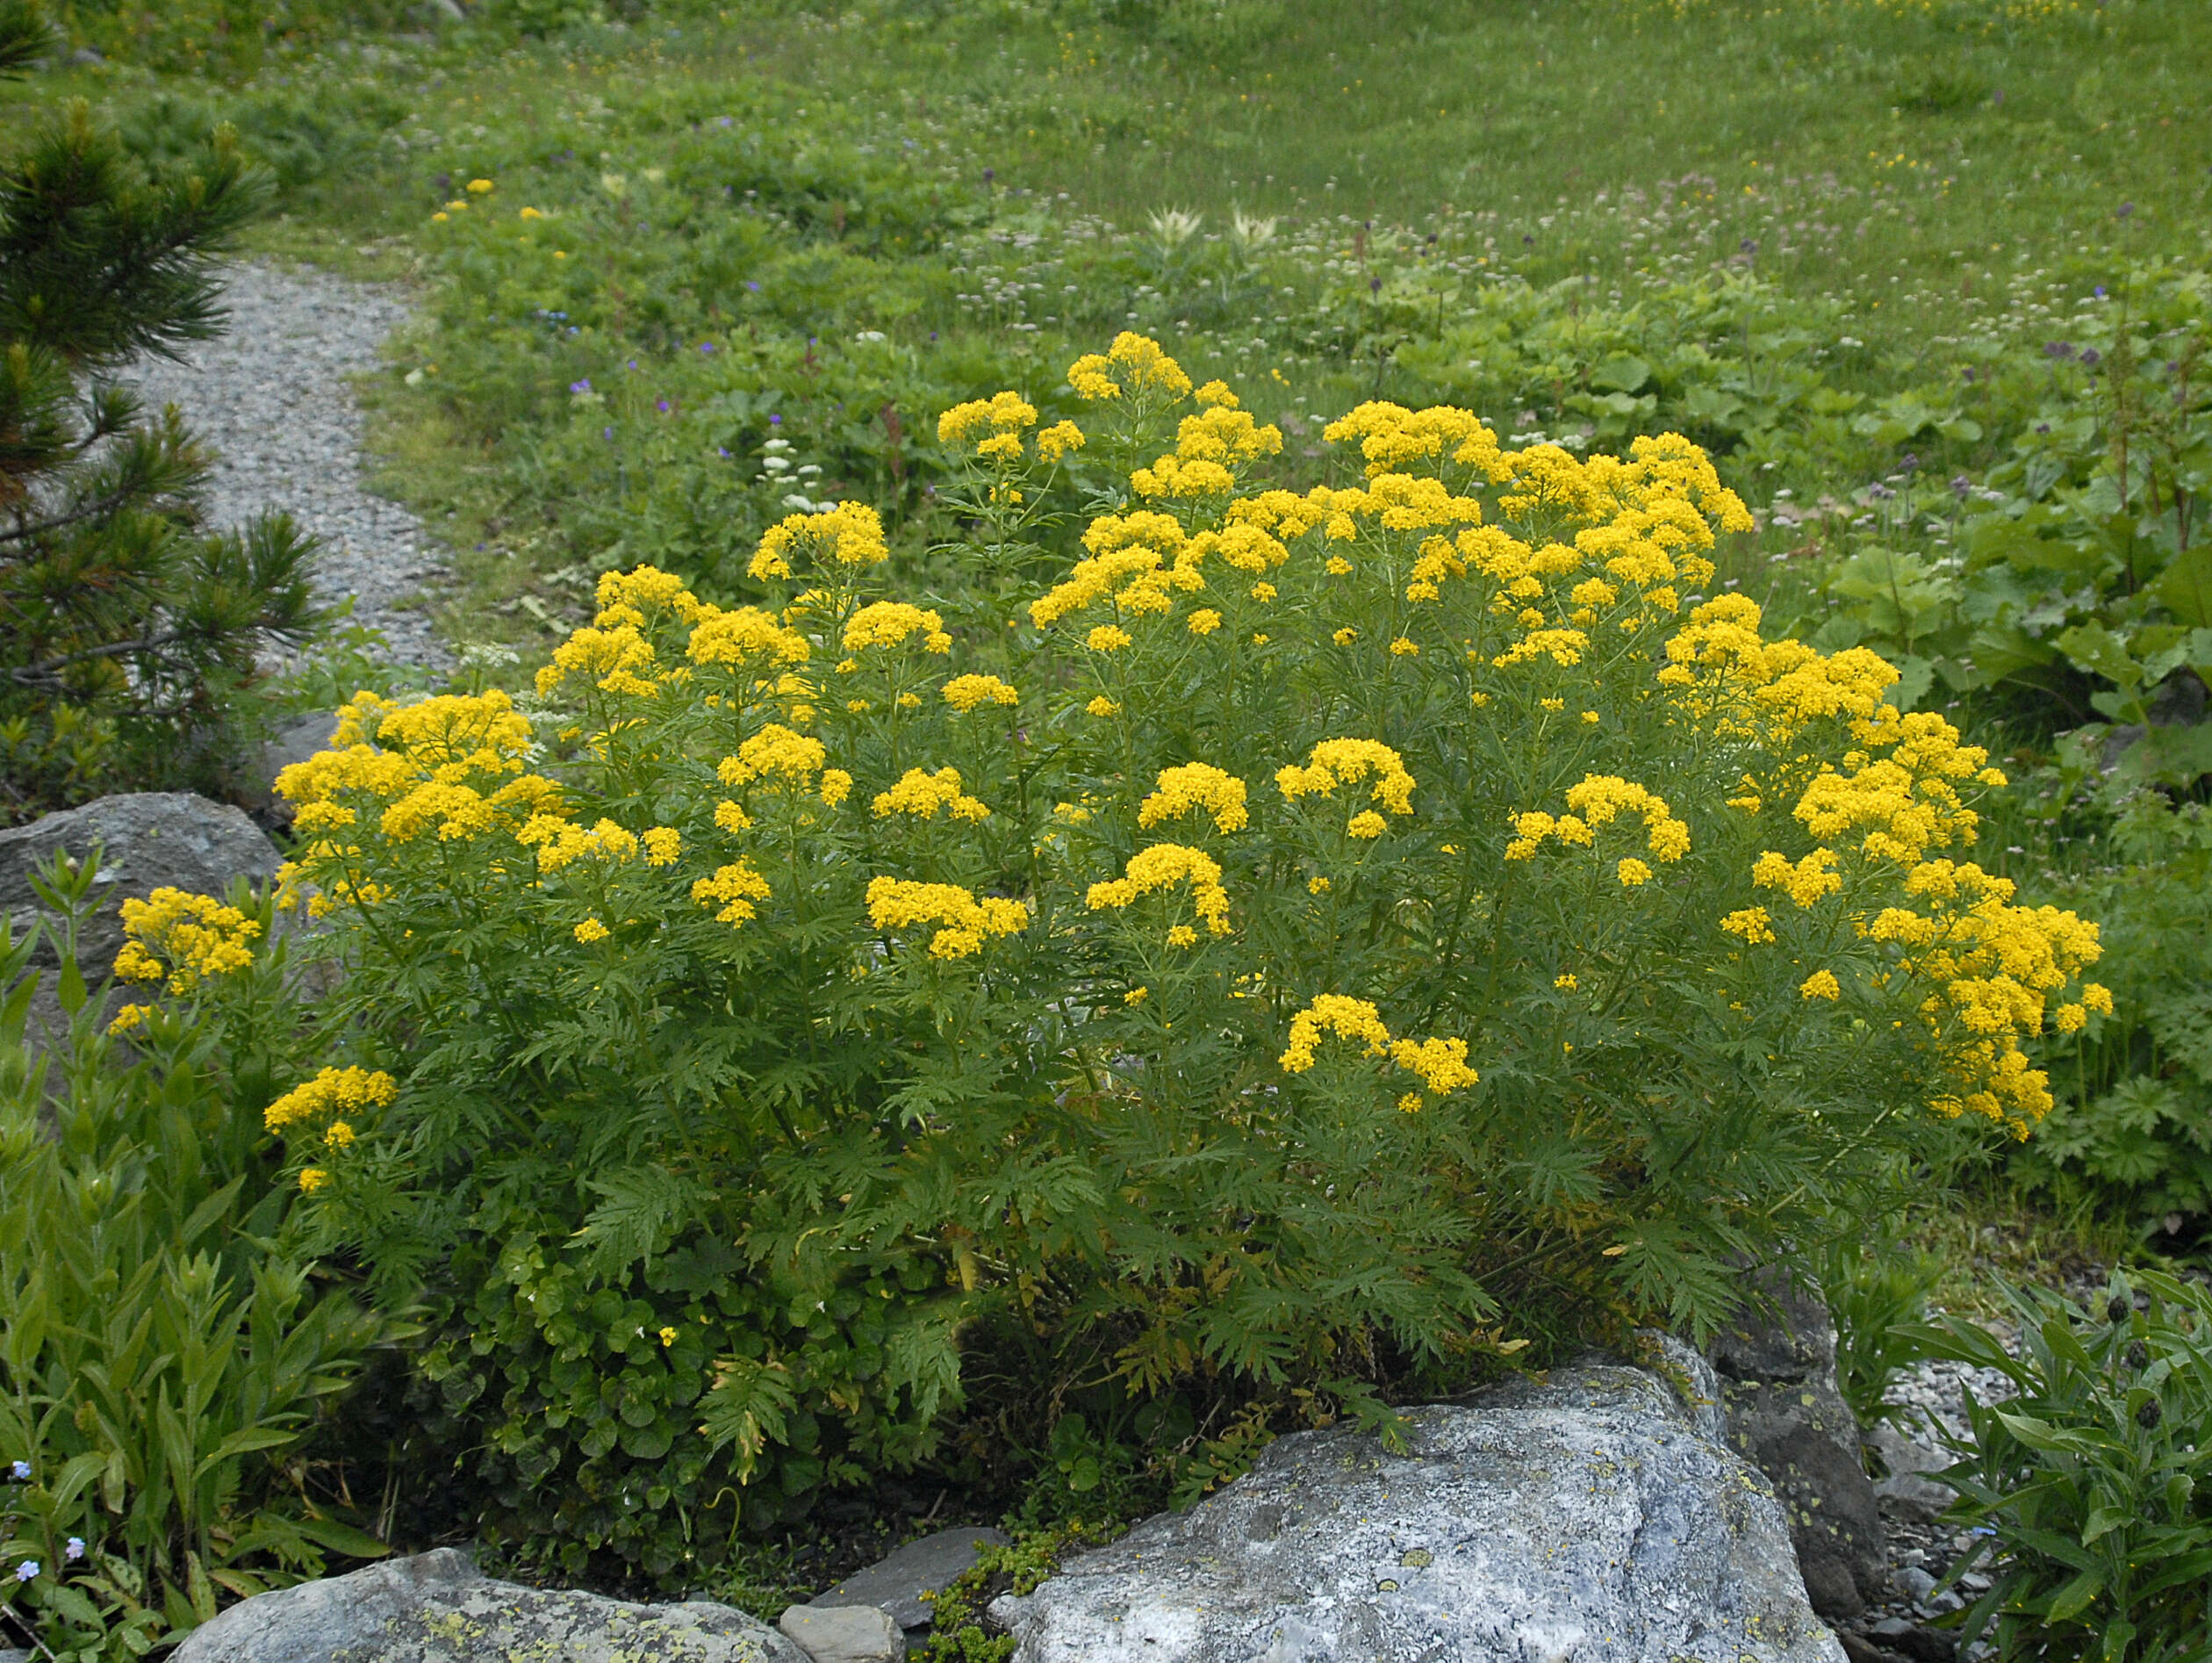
{"x": 1822, "y": 984}
{"x": 890, "y": 624}
{"x": 1335, "y": 762}
{"x": 1752, "y": 924}
{"x": 1196, "y": 786}
{"x": 745, "y": 636}
{"x": 1135, "y": 365}
{"x": 966, "y": 921}
{"x": 989, "y": 422}
{"x": 188, "y": 939}
{"x": 737, "y": 886}
{"x": 1162, "y": 866}
{"x": 966, "y": 693}
{"x": 922, "y": 794}
{"x": 849, "y": 535}
{"x": 1057, "y": 441}
{"x": 332, "y": 1092}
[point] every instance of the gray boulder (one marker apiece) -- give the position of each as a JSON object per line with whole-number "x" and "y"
{"x": 149, "y": 839}
{"x": 1585, "y": 1515}
{"x": 843, "y": 1633}
{"x": 1787, "y": 1416}
{"x": 438, "y": 1608}
{"x": 902, "y": 1583}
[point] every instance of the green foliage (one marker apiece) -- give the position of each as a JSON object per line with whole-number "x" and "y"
{"x": 224, "y": 39}
{"x": 2135, "y": 1122}
{"x": 1877, "y": 1287}
{"x": 2077, "y": 576}
{"x": 163, "y": 1356}
{"x": 2087, "y": 1492}
{"x": 960, "y": 1628}
{"x": 769, "y": 1009}
{"x": 301, "y": 136}
{"x": 125, "y": 630}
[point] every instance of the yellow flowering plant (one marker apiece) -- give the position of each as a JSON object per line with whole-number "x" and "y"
{"x": 1319, "y": 938}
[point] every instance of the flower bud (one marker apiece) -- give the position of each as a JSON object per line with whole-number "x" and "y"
{"x": 2138, "y": 1355}
{"x": 2150, "y": 1414}
{"x": 2118, "y": 1309}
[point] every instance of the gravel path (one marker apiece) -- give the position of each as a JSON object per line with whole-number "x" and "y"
{"x": 272, "y": 398}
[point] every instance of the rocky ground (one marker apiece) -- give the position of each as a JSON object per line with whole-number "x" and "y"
{"x": 273, "y": 398}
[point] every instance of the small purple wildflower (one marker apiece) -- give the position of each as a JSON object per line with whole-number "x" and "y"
{"x": 74, "y": 1549}
{"x": 2125, "y": 211}
{"x": 20, "y": 1472}
{"x": 1962, "y": 487}
{"x": 775, "y": 421}
{"x": 585, "y": 386}
{"x": 1909, "y": 463}
{"x": 606, "y": 433}
{"x": 706, "y": 347}
{"x": 661, "y": 404}
{"x": 755, "y": 287}
{"x": 27, "y": 1571}
{"x": 2092, "y": 356}
{"x": 2100, "y": 294}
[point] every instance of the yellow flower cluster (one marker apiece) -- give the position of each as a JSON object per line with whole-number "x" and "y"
{"x": 967, "y": 693}
{"x": 1209, "y": 448}
{"x": 1335, "y": 762}
{"x": 1162, "y": 866}
{"x": 994, "y": 424}
{"x": 186, "y": 937}
{"x": 1393, "y": 438}
{"x": 1595, "y": 803}
{"x": 850, "y": 535}
{"x": 1134, "y": 365}
{"x": 922, "y": 794}
{"x": 561, "y": 843}
{"x": 890, "y": 624}
{"x": 898, "y": 903}
{"x": 737, "y": 886}
{"x": 745, "y": 636}
{"x": 1441, "y": 1064}
{"x": 1138, "y": 560}
{"x": 1199, "y": 786}
{"x": 333, "y": 1093}
{"x": 774, "y": 752}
